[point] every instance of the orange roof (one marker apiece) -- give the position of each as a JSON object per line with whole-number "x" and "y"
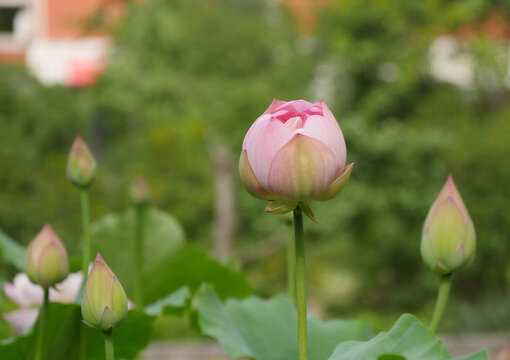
{"x": 306, "y": 13}
{"x": 494, "y": 26}
{"x": 73, "y": 19}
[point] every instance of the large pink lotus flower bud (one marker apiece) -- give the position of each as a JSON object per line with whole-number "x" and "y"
{"x": 448, "y": 240}
{"x": 294, "y": 151}
{"x": 105, "y": 304}
{"x": 46, "y": 259}
{"x": 81, "y": 165}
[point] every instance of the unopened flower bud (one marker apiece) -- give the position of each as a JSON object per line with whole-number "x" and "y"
{"x": 448, "y": 240}
{"x": 294, "y": 151}
{"x": 104, "y": 303}
{"x": 139, "y": 191}
{"x": 46, "y": 259}
{"x": 81, "y": 165}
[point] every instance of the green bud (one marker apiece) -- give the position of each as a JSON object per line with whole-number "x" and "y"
{"x": 104, "y": 303}
{"x": 448, "y": 240}
{"x": 46, "y": 259}
{"x": 81, "y": 165}
{"x": 139, "y": 191}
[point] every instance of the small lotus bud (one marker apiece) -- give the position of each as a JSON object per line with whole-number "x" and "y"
{"x": 104, "y": 303}
{"x": 81, "y": 165}
{"x": 139, "y": 191}
{"x": 448, "y": 240}
{"x": 46, "y": 259}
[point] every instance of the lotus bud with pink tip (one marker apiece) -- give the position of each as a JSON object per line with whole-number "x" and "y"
{"x": 81, "y": 165}
{"x": 104, "y": 303}
{"x": 46, "y": 259}
{"x": 139, "y": 191}
{"x": 294, "y": 151}
{"x": 448, "y": 240}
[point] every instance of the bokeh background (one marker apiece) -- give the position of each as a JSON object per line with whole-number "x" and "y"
{"x": 168, "y": 88}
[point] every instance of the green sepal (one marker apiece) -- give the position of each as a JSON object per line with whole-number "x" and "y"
{"x": 338, "y": 185}
{"x": 308, "y": 211}
{"x": 281, "y": 206}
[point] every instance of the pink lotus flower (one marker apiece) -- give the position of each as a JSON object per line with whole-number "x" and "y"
{"x": 29, "y": 297}
{"x": 294, "y": 151}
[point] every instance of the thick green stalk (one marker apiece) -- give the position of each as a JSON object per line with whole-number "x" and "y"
{"x": 43, "y": 313}
{"x": 85, "y": 219}
{"x": 291, "y": 266}
{"x": 108, "y": 345}
{"x": 300, "y": 284}
{"x": 138, "y": 255}
{"x": 442, "y": 300}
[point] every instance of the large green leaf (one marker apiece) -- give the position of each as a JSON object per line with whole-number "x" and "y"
{"x": 192, "y": 267}
{"x": 173, "y": 304}
{"x": 267, "y": 329}
{"x": 408, "y": 339}
{"x": 114, "y": 236}
{"x": 63, "y": 335}
{"x": 12, "y": 252}
{"x": 169, "y": 262}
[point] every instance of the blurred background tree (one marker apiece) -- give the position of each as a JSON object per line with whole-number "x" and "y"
{"x": 189, "y": 76}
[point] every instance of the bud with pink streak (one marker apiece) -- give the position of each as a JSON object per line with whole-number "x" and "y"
{"x": 81, "y": 165}
{"x": 448, "y": 240}
{"x": 105, "y": 304}
{"x": 46, "y": 259}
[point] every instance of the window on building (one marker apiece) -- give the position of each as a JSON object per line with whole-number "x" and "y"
{"x": 7, "y": 16}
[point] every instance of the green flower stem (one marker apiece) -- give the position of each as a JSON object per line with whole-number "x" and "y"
{"x": 300, "y": 284}
{"x": 442, "y": 299}
{"x": 108, "y": 345}
{"x": 85, "y": 219}
{"x": 42, "y": 326}
{"x": 138, "y": 255}
{"x": 291, "y": 266}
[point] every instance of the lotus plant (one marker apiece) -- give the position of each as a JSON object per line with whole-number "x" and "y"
{"x": 448, "y": 242}
{"x": 295, "y": 152}
{"x": 105, "y": 304}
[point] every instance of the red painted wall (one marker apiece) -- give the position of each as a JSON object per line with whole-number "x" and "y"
{"x": 73, "y": 19}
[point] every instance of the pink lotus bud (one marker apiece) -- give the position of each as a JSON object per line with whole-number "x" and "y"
{"x": 46, "y": 259}
{"x": 448, "y": 240}
{"x": 104, "y": 303}
{"x": 81, "y": 165}
{"x": 294, "y": 151}
{"x": 139, "y": 191}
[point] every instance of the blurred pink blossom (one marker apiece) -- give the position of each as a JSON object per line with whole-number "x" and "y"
{"x": 504, "y": 354}
{"x": 29, "y": 297}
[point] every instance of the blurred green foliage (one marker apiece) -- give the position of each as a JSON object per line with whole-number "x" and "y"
{"x": 187, "y": 74}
